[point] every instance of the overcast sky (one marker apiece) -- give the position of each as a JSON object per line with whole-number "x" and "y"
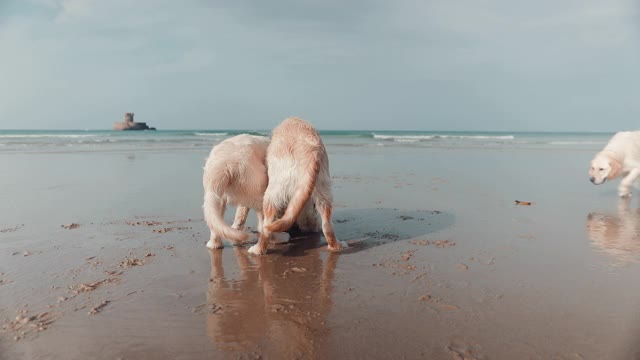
{"x": 546, "y": 65}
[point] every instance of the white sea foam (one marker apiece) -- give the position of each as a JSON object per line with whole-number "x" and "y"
{"x": 416, "y": 138}
{"x": 480, "y": 137}
{"x": 577, "y": 142}
{"x": 211, "y": 134}
{"x": 69, "y": 136}
{"x": 404, "y": 137}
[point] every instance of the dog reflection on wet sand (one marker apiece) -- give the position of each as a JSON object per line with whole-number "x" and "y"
{"x": 617, "y": 235}
{"x": 275, "y": 306}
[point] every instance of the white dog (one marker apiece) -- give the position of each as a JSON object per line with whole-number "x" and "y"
{"x": 299, "y": 178}
{"x": 235, "y": 173}
{"x": 621, "y": 156}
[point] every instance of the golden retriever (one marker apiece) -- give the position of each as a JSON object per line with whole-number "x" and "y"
{"x": 621, "y": 156}
{"x": 235, "y": 173}
{"x": 299, "y": 179}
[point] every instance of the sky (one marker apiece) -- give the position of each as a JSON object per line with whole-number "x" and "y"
{"x": 483, "y": 65}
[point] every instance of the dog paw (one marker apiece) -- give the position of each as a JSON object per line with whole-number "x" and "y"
{"x": 215, "y": 244}
{"x": 255, "y": 250}
{"x": 281, "y": 237}
{"x": 340, "y": 245}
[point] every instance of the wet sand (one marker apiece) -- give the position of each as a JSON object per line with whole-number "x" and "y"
{"x": 442, "y": 264}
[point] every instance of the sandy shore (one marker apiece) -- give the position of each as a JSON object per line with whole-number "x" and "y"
{"x": 442, "y": 265}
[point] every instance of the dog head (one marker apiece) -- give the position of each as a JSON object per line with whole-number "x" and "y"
{"x": 604, "y": 168}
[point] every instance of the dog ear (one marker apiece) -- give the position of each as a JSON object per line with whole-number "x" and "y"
{"x": 616, "y": 169}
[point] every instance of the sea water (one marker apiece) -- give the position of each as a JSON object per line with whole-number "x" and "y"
{"x": 104, "y": 140}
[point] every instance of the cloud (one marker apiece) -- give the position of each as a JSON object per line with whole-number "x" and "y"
{"x": 434, "y": 64}
{"x": 77, "y": 9}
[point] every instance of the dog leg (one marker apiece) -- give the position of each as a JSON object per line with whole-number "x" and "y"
{"x": 279, "y": 237}
{"x": 325, "y": 210}
{"x": 215, "y": 241}
{"x": 253, "y": 237}
{"x": 624, "y": 190}
{"x": 261, "y": 247}
{"x": 260, "y": 216}
{"x": 241, "y": 217}
{"x": 263, "y": 242}
{"x": 238, "y": 223}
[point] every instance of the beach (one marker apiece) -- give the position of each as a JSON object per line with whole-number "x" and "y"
{"x": 442, "y": 263}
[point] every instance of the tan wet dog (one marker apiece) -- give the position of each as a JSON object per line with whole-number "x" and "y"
{"x": 235, "y": 173}
{"x": 621, "y": 156}
{"x": 299, "y": 179}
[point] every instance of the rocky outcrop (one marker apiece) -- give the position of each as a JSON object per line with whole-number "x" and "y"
{"x": 129, "y": 124}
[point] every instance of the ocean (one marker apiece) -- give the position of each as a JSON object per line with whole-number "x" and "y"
{"x": 25, "y": 141}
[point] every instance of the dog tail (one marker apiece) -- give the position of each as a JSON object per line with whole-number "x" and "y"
{"x": 302, "y": 193}
{"x": 214, "y": 209}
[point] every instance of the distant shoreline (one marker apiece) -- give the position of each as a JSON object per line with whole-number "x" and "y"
{"x": 333, "y": 131}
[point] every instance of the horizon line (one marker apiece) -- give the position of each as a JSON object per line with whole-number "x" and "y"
{"x": 354, "y": 130}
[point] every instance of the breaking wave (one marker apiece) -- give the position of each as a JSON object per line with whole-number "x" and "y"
{"x": 417, "y": 138}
